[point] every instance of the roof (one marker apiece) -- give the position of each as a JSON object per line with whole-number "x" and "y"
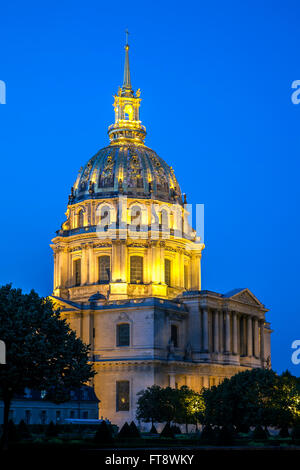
{"x": 132, "y": 170}
{"x": 85, "y": 393}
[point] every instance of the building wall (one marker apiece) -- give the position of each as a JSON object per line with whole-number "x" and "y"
{"x": 20, "y": 407}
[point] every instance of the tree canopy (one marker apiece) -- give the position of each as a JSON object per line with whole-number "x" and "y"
{"x": 42, "y": 352}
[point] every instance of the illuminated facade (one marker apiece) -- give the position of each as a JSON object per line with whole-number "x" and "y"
{"x": 127, "y": 276}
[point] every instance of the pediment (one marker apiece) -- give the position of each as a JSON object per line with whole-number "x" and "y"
{"x": 62, "y": 304}
{"x": 245, "y": 296}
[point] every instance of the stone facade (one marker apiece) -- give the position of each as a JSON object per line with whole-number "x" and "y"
{"x": 127, "y": 276}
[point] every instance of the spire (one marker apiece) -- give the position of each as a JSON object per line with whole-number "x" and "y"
{"x": 126, "y": 82}
{"x": 127, "y": 127}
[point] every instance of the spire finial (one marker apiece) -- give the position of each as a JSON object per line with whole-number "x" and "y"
{"x": 126, "y": 82}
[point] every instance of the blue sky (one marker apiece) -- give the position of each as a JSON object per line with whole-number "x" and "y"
{"x": 216, "y": 86}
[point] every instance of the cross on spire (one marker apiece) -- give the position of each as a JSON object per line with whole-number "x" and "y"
{"x": 126, "y": 32}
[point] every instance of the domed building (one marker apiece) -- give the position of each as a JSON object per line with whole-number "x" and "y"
{"x": 127, "y": 276}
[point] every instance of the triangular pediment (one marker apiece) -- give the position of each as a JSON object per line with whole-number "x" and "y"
{"x": 245, "y": 296}
{"x": 63, "y": 304}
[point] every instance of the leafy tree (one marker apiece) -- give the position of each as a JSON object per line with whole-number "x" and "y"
{"x": 183, "y": 406}
{"x": 190, "y": 407}
{"x": 42, "y": 352}
{"x": 251, "y": 398}
{"x": 148, "y": 405}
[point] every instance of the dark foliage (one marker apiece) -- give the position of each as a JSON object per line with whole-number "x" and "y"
{"x": 153, "y": 430}
{"x": 13, "y": 433}
{"x": 52, "y": 430}
{"x": 226, "y": 435}
{"x": 208, "y": 434}
{"x": 125, "y": 431}
{"x": 167, "y": 431}
{"x": 284, "y": 432}
{"x": 23, "y": 430}
{"x": 176, "y": 429}
{"x": 296, "y": 432}
{"x": 134, "y": 430}
{"x": 260, "y": 433}
{"x": 103, "y": 434}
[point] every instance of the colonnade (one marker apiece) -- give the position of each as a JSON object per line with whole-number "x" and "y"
{"x": 230, "y": 332}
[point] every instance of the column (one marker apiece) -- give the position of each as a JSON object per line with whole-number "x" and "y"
{"x": 123, "y": 261}
{"x": 227, "y": 332}
{"x": 234, "y": 333}
{"x": 205, "y": 330}
{"x": 162, "y": 261}
{"x": 221, "y": 331}
{"x": 216, "y": 331}
{"x": 195, "y": 268}
{"x": 181, "y": 268}
{"x": 114, "y": 262}
{"x": 84, "y": 265}
{"x": 55, "y": 269}
{"x": 256, "y": 338}
{"x": 262, "y": 342}
{"x": 188, "y": 381}
{"x": 91, "y": 275}
{"x": 172, "y": 379}
{"x": 249, "y": 336}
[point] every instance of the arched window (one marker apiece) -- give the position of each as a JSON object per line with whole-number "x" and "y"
{"x": 135, "y": 216}
{"x": 104, "y": 269}
{"x": 123, "y": 334}
{"x": 164, "y": 219}
{"x": 128, "y": 112}
{"x": 168, "y": 272}
{"x": 80, "y": 218}
{"x": 77, "y": 272}
{"x": 105, "y": 218}
{"x": 174, "y": 335}
{"x": 136, "y": 269}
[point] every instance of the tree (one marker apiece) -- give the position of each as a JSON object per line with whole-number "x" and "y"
{"x": 190, "y": 408}
{"x": 251, "y": 398}
{"x": 42, "y": 352}
{"x": 149, "y": 405}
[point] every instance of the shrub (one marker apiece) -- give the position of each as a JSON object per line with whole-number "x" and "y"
{"x": 226, "y": 436}
{"x": 208, "y": 434}
{"x": 176, "y": 429}
{"x": 296, "y": 432}
{"x": 23, "y": 429}
{"x": 153, "y": 430}
{"x": 284, "y": 432}
{"x": 125, "y": 431}
{"x": 260, "y": 433}
{"x": 12, "y": 431}
{"x": 134, "y": 430}
{"x": 103, "y": 434}
{"x": 51, "y": 430}
{"x": 167, "y": 431}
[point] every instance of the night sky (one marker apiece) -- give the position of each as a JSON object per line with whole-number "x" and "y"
{"x": 216, "y": 87}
